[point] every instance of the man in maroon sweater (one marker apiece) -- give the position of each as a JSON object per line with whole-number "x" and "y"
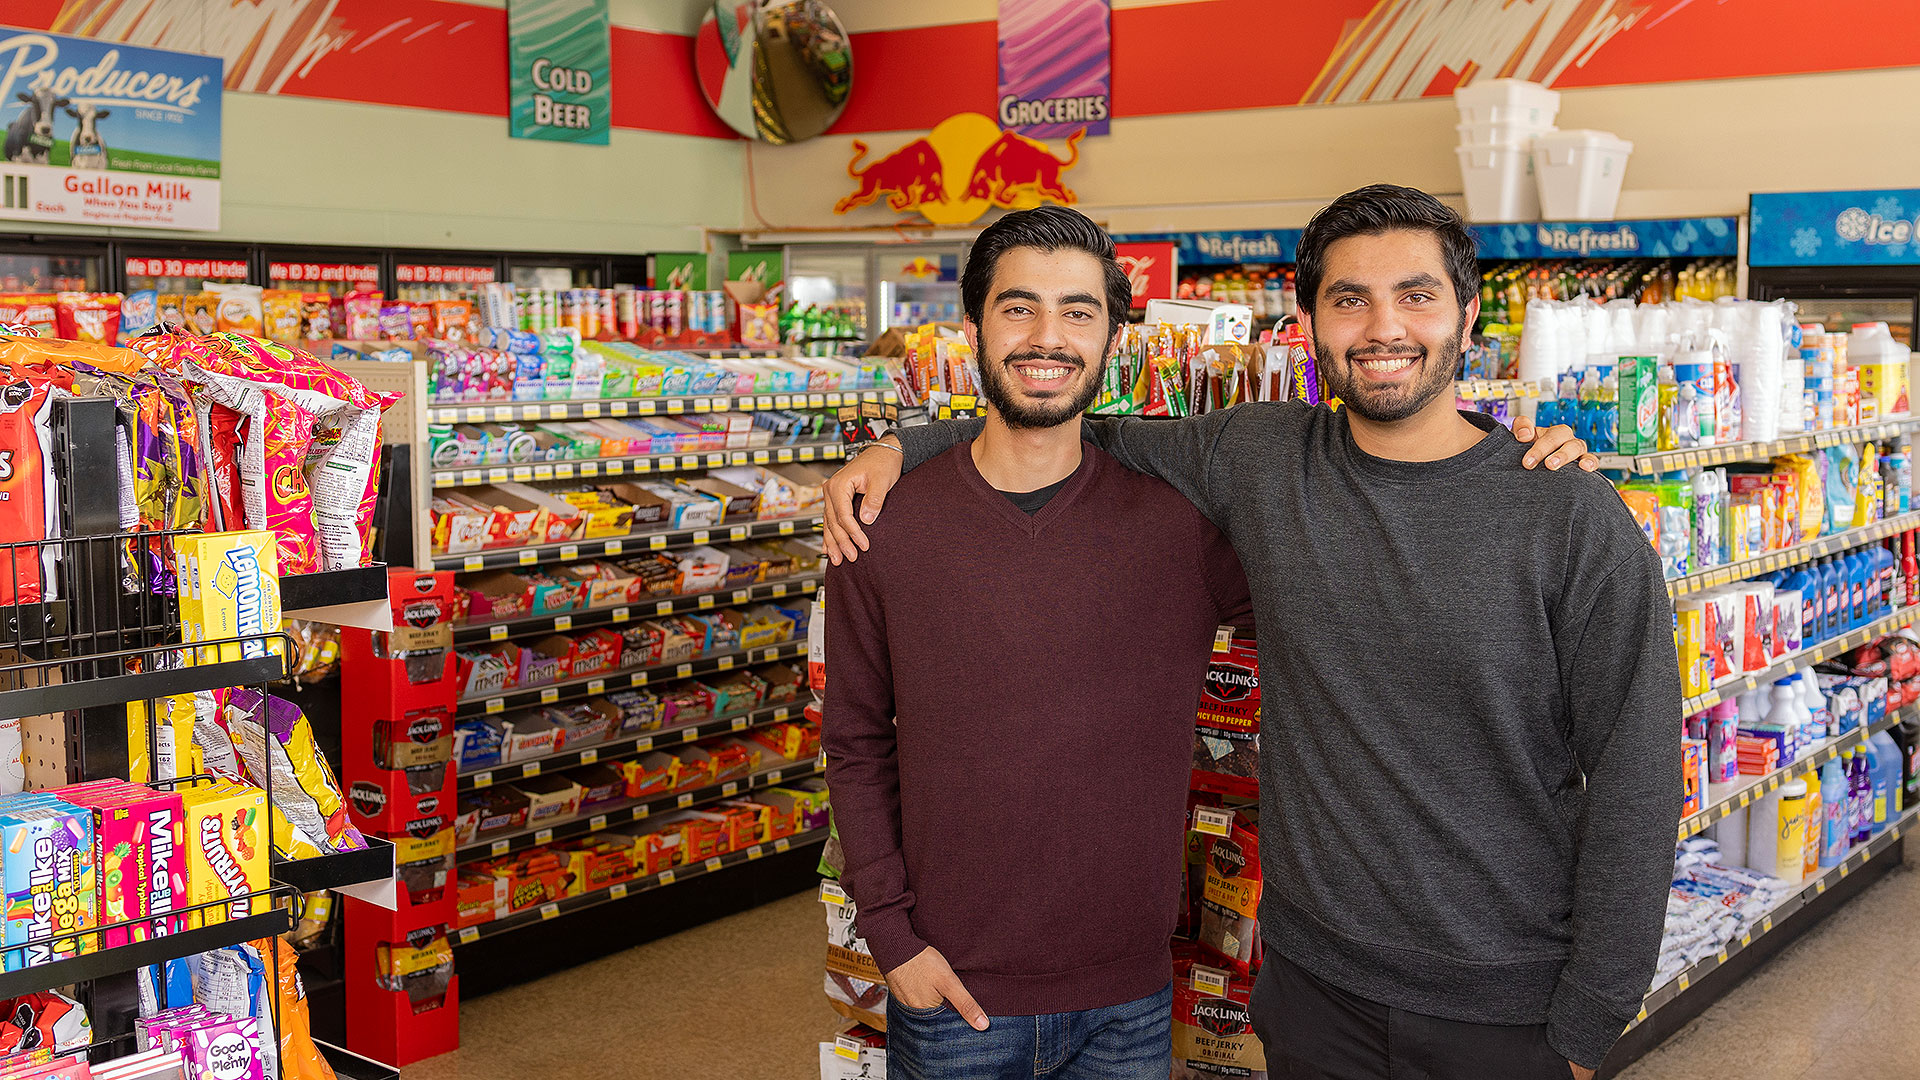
{"x": 1039, "y": 619}
{"x": 1013, "y": 670}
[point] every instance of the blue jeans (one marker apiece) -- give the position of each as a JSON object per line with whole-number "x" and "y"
{"x": 1133, "y": 1041}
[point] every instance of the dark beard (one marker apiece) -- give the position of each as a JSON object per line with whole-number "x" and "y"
{"x": 994, "y": 387}
{"x": 1436, "y": 377}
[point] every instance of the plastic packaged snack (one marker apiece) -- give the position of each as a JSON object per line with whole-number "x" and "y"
{"x": 90, "y": 317}
{"x": 316, "y": 317}
{"x": 396, "y": 322}
{"x": 304, "y": 789}
{"x": 202, "y": 313}
{"x": 282, "y": 312}
{"x": 47, "y": 1020}
{"x": 28, "y": 508}
{"x": 238, "y": 309}
{"x": 363, "y": 318}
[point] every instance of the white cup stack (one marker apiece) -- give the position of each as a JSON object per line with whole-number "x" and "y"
{"x": 1499, "y": 120}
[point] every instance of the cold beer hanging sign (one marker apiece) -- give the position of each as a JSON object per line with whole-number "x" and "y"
{"x": 561, "y": 63}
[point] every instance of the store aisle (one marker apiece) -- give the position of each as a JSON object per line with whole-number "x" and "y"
{"x": 1836, "y": 1003}
{"x": 740, "y": 997}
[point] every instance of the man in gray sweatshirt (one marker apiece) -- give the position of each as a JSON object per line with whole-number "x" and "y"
{"x": 1471, "y": 776}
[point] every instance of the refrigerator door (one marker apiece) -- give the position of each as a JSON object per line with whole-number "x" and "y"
{"x": 182, "y": 268}
{"x": 28, "y": 267}
{"x": 916, "y": 284}
{"x": 831, "y": 281}
{"x": 1839, "y": 296}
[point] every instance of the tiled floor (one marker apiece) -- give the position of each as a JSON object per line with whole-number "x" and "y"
{"x": 741, "y": 998}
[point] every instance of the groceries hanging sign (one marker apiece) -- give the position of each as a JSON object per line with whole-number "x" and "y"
{"x": 560, "y": 57}
{"x": 105, "y": 134}
{"x": 1055, "y": 67}
{"x": 1835, "y": 228}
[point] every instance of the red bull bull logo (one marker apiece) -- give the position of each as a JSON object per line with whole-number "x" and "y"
{"x": 961, "y": 169}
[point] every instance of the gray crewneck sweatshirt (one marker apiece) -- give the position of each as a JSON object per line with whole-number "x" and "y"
{"x": 1470, "y": 766}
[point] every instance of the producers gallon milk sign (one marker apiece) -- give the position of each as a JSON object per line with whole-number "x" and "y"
{"x": 105, "y": 134}
{"x": 560, "y": 52}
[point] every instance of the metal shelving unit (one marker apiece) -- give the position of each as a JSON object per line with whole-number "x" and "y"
{"x": 627, "y": 746}
{"x": 1724, "y": 799}
{"x": 1807, "y": 657}
{"x": 621, "y": 890}
{"x": 657, "y": 607}
{"x": 1799, "y": 553}
{"x": 631, "y": 543}
{"x": 636, "y": 465}
{"x": 1670, "y": 460}
{"x": 682, "y": 404}
{"x": 622, "y": 811}
{"x": 628, "y": 678}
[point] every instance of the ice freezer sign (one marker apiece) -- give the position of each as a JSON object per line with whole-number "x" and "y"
{"x": 559, "y": 52}
{"x": 1835, "y": 228}
{"x": 104, "y": 134}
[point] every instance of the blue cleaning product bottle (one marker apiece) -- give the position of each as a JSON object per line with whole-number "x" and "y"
{"x": 1889, "y": 777}
{"x": 1802, "y": 581}
{"x": 1833, "y": 813}
{"x": 1856, "y": 614}
{"x": 1834, "y": 592}
{"x": 1871, "y": 609}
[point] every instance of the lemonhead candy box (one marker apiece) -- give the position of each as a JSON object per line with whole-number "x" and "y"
{"x": 236, "y": 579}
{"x": 46, "y": 861}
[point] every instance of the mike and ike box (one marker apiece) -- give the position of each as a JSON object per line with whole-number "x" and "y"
{"x": 230, "y": 588}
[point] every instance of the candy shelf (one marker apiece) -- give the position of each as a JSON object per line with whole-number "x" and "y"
{"x": 627, "y": 678}
{"x": 131, "y": 957}
{"x": 337, "y": 870}
{"x": 101, "y": 690}
{"x": 656, "y": 607}
{"x": 355, "y": 597}
{"x": 627, "y": 746}
{"x": 1669, "y": 460}
{"x": 1812, "y": 888}
{"x": 595, "y": 408}
{"x": 637, "y": 465}
{"x": 1807, "y": 657}
{"x": 622, "y": 890}
{"x": 1724, "y": 799}
{"x": 1805, "y": 552}
{"x": 623, "y": 811}
{"x": 631, "y": 543}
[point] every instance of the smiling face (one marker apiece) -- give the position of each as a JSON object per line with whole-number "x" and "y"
{"x": 1387, "y": 329}
{"x": 1043, "y": 340}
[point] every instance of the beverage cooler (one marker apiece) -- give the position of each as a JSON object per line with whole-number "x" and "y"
{"x": 1843, "y": 257}
{"x": 51, "y": 264}
{"x": 423, "y": 276}
{"x": 915, "y": 284}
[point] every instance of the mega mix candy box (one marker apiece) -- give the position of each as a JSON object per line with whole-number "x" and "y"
{"x": 47, "y": 865}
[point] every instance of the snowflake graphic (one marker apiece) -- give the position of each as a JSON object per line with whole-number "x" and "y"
{"x": 1805, "y": 242}
{"x": 1897, "y": 251}
{"x": 1851, "y": 224}
{"x": 1888, "y": 208}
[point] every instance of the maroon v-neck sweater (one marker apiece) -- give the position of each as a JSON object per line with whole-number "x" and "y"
{"x": 1025, "y": 815}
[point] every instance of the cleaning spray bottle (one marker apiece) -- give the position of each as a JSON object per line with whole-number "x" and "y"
{"x": 1833, "y": 813}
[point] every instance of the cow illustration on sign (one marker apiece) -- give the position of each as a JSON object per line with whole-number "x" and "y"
{"x": 961, "y": 169}
{"x": 87, "y": 151}
{"x": 30, "y": 136}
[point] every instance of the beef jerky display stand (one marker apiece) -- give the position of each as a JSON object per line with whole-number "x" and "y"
{"x": 165, "y": 815}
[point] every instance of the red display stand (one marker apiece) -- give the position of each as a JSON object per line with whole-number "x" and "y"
{"x": 397, "y": 694}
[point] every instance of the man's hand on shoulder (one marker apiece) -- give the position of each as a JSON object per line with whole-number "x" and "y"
{"x": 1556, "y": 446}
{"x": 871, "y": 476}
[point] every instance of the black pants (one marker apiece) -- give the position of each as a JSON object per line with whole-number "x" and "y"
{"x": 1313, "y": 1031}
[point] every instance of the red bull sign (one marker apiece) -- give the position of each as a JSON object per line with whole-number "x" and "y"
{"x": 961, "y": 169}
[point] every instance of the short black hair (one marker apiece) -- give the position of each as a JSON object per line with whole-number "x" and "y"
{"x": 1048, "y": 228}
{"x": 1377, "y": 208}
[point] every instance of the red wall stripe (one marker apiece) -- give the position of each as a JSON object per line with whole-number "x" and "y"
{"x": 910, "y": 80}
